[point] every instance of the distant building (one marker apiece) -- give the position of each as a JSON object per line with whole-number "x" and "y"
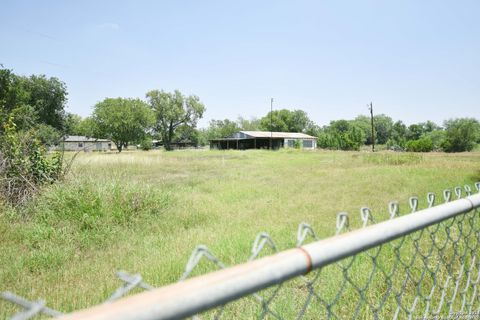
{"x": 264, "y": 140}
{"x": 183, "y": 144}
{"x": 78, "y": 143}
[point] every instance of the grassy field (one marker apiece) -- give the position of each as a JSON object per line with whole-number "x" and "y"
{"x": 144, "y": 212}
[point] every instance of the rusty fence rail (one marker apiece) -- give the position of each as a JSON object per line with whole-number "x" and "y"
{"x": 420, "y": 265}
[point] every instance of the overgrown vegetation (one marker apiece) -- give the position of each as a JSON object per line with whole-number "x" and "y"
{"x": 25, "y": 165}
{"x": 32, "y": 119}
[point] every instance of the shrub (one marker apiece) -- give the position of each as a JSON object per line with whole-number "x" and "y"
{"x": 424, "y": 144}
{"x": 461, "y": 135}
{"x": 24, "y": 165}
{"x": 146, "y": 144}
{"x": 297, "y": 144}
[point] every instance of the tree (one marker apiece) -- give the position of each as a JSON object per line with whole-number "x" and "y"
{"x": 221, "y": 128}
{"x": 363, "y": 122}
{"x": 286, "y": 121}
{"x": 48, "y": 96}
{"x": 76, "y": 126}
{"x": 173, "y": 110}
{"x": 122, "y": 120}
{"x": 186, "y": 133}
{"x": 461, "y": 134}
{"x": 383, "y": 128}
{"x": 72, "y": 122}
{"x": 43, "y": 98}
{"x": 248, "y": 125}
{"x": 437, "y": 137}
{"x": 398, "y": 136}
{"x": 343, "y": 135}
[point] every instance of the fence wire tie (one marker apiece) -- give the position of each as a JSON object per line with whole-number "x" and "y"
{"x": 458, "y": 192}
{"x": 431, "y": 199}
{"x": 32, "y": 308}
{"x": 468, "y": 190}
{"x": 342, "y": 222}
{"x": 201, "y": 251}
{"x": 131, "y": 282}
{"x": 393, "y": 209}
{"x": 366, "y": 216}
{"x": 413, "y": 201}
{"x": 260, "y": 240}
{"x": 305, "y": 230}
{"x": 447, "y": 195}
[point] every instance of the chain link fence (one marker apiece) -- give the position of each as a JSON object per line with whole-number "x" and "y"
{"x": 421, "y": 265}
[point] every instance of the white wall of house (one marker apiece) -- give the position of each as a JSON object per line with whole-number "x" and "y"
{"x": 304, "y": 143}
{"x": 88, "y": 145}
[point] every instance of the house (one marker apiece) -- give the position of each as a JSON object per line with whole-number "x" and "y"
{"x": 264, "y": 140}
{"x": 183, "y": 144}
{"x": 77, "y": 143}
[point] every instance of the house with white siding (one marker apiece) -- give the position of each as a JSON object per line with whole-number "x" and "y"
{"x": 79, "y": 143}
{"x": 264, "y": 140}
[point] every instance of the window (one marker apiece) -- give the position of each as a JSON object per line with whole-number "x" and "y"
{"x": 307, "y": 144}
{"x": 80, "y": 144}
{"x": 291, "y": 143}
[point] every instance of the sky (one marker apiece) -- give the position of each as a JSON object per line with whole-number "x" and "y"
{"x": 415, "y": 60}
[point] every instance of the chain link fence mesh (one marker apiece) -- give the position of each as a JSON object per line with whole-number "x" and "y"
{"x": 433, "y": 273}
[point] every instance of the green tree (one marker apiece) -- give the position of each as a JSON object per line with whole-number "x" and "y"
{"x": 221, "y": 128}
{"x": 343, "y": 135}
{"x": 437, "y": 137}
{"x": 186, "y": 133}
{"x": 48, "y": 96}
{"x": 72, "y": 122}
{"x": 47, "y": 135}
{"x": 173, "y": 110}
{"x": 461, "y": 134}
{"x": 364, "y": 123}
{"x": 383, "y": 128}
{"x": 286, "y": 121}
{"x": 43, "y": 98}
{"x": 76, "y": 126}
{"x": 398, "y": 136}
{"x": 252, "y": 124}
{"x": 122, "y": 120}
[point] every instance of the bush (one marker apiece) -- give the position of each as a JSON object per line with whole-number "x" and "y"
{"x": 424, "y": 144}
{"x": 461, "y": 135}
{"x": 24, "y": 165}
{"x": 146, "y": 144}
{"x": 297, "y": 144}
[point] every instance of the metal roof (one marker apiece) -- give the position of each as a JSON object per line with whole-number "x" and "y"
{"x": 284, "y": 135}
{"x": 83, "y": 139}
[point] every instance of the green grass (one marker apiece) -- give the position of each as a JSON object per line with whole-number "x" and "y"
{"x": 145, "y": 212}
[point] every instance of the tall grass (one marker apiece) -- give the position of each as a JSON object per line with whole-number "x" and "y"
{"x": 145, "y": 212}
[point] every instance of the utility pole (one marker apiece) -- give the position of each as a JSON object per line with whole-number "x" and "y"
{"x": 271, "y": 122}
{"x": 373, "y": 128}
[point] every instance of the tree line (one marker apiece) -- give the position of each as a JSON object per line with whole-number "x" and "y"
{"x": 37, "y": 105}
{"x": 456, "y": 135}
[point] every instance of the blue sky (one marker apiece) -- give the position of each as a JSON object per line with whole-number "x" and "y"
{"x": 416, "y": 60}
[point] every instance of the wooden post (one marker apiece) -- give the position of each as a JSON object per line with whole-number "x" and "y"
{"x": 237, "y": 144}
{"x": 254, "y": 143}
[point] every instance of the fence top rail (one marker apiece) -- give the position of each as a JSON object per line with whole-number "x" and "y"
{"x": 217, "y": 288}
